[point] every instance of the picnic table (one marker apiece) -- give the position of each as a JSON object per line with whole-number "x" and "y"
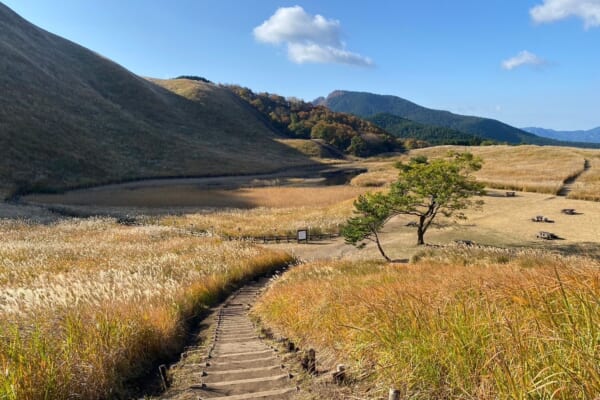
{"x": 541, "y": 218}
{"x": 546, "y": 235}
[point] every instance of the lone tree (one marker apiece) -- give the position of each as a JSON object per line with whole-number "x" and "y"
{"x": 424, "y": 189}
{"x": 373, "y": 212}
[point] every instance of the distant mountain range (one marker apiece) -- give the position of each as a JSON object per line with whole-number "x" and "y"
{"x": 70, "y": 117}
{"x": 589, "y": 136}
{"x": 368, "y": 104}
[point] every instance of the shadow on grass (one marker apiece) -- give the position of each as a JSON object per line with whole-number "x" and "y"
{"x": 497, "y": 193}
{"x": 589, "y": 249}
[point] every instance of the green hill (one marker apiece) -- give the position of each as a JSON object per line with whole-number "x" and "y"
{"x": 69, "y": 117}
{"x": 369, "y": 104}
{"x": 433, "y": 135}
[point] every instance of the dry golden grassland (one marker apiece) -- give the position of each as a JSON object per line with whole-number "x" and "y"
{"x": 265, "y": 221}
{"x": 460, "y": 323}
{"x": 528, "y": 168}
{"x": 86, "y": 306}
{"x": 587, "y": 186}
{"x": 502, "y": 222}
{"x": 522, "y": 168}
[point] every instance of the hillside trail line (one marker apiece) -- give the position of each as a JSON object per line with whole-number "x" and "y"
{"x": 568, "y": 184}
{"x": 231, "y": 361}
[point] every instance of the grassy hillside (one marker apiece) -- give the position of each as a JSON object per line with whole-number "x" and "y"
{"x": 368, "y": 104}
{"x": 69, "y": 117}
{"x": 433, "y": 135}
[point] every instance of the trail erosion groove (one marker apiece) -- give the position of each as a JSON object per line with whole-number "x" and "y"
{"x": 568, "y": 184}
{"x": 236, "y": 364}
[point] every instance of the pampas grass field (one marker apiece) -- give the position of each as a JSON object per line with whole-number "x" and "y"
{"x": 454, "y": 324}
{"x": 88, "y": 306}
{"x": 265, "y": 221}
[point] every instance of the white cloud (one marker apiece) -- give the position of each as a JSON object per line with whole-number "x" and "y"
{"x": 554, "y": 10}
{"x": 523, "y": 58}
{"x": 309, "y": 39}
{"x": 293, "y": 24}
{"x": 312, "y": 52}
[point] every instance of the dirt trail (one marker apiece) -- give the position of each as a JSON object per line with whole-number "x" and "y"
{"x": 235, "y": 364}
{"x": 568, "y": 185}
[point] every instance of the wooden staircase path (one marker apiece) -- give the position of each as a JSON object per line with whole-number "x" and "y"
{"x": 234, "y": 364}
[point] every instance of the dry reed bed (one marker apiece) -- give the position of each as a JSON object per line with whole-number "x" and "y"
{"x": 522, "y": 168}
{"x": 189, "y": 195}
{"x": 483, "y": 324}
{"x": 87, "y": 306}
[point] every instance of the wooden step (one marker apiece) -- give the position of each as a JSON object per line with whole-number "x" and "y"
{"x": 224, "y": 365}
{"x": 243, "y": 355}
{"x": 236, "y": 374}
{"x": 277, "y": 394}
{"x": 244, "y": 386}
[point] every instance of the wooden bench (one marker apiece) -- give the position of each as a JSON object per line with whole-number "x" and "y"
{"x": 568, "y": 211}
{"x": 510, "y": 194}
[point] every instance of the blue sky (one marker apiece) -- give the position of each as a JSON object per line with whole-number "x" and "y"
{"x": 525, "y": 62}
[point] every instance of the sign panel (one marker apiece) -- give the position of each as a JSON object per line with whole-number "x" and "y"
{"x": 302, "y": 235}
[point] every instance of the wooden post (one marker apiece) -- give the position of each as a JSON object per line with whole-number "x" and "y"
{"x": 394, "y": 394}
{"x": 309, "y": 362}
{"x": 312, "y": 361}
{"x": 339, "y": 376}
{"x": 162, "y": 370}
{"x": 291, "y": 346}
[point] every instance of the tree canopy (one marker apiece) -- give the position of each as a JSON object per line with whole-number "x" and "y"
{"x": 424, "y": 189}
{"x": 298, "y": 119}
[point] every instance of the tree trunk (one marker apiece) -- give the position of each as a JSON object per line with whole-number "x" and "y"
{"x": 421, "y": 231}
{"x": 381, "y": 248}
{"x": 420, "y": 237}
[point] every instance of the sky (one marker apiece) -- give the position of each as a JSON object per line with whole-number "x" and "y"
{"x": 524, "y": 62}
